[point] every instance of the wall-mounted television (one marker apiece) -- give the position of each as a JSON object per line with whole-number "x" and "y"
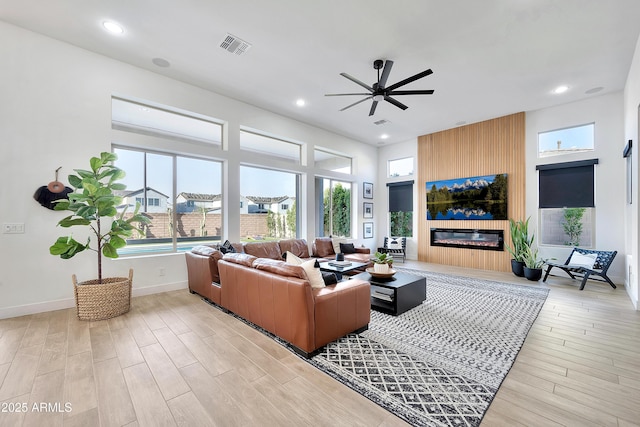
{"x": 476, "y": 197}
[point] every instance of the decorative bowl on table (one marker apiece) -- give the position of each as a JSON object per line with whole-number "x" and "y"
{"x": 386, "y": 275}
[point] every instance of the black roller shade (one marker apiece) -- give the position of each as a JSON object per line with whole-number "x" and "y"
{"x": 400, "y": 196}
{"x": 567, "y": 185}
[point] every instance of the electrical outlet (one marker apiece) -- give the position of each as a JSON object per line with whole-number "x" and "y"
{"x": 13, "y": 228}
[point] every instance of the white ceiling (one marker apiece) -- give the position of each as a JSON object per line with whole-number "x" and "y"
{"x": 490, "y": 58}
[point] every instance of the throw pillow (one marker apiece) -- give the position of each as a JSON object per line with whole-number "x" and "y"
{"x": 335, "y": 241}
{"x": 394, "y": 243}
{"x": 584, "y": 260}
{"x": 329, "y": 278}
{"x": 292, "y": 259}
{"x": 314, "y": 275}
{"x": 347, "y": 248}
{"x": 227, "y": 248}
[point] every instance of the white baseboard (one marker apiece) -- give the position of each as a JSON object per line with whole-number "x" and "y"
{"x": 41, "y": 307}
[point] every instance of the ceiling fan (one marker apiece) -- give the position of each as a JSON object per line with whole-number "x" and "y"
{"x": 380, "y": 92}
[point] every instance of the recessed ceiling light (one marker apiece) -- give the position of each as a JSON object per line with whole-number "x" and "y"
{"x": 561, "y": 89}
{"x": 384, "y": 136}
{"x": 300, "y": 103}
{"x": 113, "y": 27}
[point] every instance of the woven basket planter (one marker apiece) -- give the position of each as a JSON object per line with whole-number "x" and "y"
{"x": 100, "y": 301}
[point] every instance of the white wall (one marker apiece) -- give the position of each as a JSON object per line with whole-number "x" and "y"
{"x": 56, "y": 111}
{"x": 606, "y": 112}
{"x": 381, "y": 193}
{"x": 632, "y": 214}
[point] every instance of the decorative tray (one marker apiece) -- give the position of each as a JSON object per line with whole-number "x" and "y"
{"x": 372, "y": 272}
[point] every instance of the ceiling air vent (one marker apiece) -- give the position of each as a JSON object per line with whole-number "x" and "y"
{"x": 234, "y": 44}
{"x": 381, "y": 122}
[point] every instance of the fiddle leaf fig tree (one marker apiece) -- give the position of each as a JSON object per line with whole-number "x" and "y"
{"x": 92, "y": 203}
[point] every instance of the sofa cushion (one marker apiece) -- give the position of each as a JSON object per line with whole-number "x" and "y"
{"x": 323, "y": 247}
{"x": 314, "y": 275}
{"x": 239, "y": 258}
{"x": 279, "y": 267}
{"x": 298, "y": 247}
{"x": 263, "y": 249}
{"x": 214, "y": 255}
{"x": 347, "y": 248}
{"x": 336, "y": 241}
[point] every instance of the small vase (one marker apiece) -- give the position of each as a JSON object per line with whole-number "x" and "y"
{"x": 381, "y": 268}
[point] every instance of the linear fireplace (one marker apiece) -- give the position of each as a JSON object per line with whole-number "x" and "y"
{"x": 490, "y": 240}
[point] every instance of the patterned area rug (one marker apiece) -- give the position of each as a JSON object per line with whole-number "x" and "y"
{"x": 441, "y": 363}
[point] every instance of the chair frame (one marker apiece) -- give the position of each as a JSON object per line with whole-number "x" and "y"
{"x": 600, "y": 267}
{"x": 395, "y": 253}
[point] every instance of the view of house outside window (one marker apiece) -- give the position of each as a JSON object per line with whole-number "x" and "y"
{"x": 268, "y": 208}
{"x": 188, "y": 218}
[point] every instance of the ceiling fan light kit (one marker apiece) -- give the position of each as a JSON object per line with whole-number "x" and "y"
{"x": 379, "y": 91}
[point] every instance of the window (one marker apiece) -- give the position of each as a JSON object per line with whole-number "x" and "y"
{"x": 566, "y": 200}
{"x": 333, "y": 207}
{"x": 180, "y": 220}
{"x": 284, "y": 206}
{"x": 265, "y": 190}
{"x": 566, "y": 141}
{"x": 326, "y": 160}
{"x": 272, "y": 147}
{"x": 141, "y": 118}
{"x": 401, "y": 167}
{"x": 401, "y": 208}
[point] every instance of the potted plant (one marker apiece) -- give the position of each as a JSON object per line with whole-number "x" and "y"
{"x": 519, "y": 232}
{"x": 381, "y": 262}
{"x": 532, "y": 264}
{"x": 93, "y": 206}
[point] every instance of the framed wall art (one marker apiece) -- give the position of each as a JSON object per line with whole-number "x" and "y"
{"x": 367, "y": 230}
{"x": 367, "y": 190}
{"x": 368, "y": 210}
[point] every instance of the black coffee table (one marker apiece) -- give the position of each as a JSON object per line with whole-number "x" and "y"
{"x": 397, "y": 294}
{"x": 339, "y": 270}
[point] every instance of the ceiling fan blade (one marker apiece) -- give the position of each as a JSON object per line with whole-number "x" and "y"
{"x": 410, "y": 79}
{"x": 358, "y": 82}
{"x": 346, "y": 94}
{"x": 411, "y": 92}
{"x": 385, "y": 73}
{"x": 373, "y": 108}
{"x": 396, "y": 103}
{"x": 356, "y": 103}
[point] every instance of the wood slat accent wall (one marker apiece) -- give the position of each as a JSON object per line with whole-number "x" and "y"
{"x": 491, "y": 147}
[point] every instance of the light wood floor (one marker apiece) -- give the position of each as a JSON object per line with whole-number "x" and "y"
{"x": 175, "y": 360}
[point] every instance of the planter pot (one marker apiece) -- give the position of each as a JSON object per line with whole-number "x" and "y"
{"x": 533, "y": 274}
{"x": 381, "y": 268}
{"x": 100, "y": 301}
{"x": 517, "y": 267}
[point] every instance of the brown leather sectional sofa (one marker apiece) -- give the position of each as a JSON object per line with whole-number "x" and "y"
{"x": 257, "y": 285}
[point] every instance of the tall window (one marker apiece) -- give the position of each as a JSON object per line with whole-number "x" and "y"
{"x": 181, "y": 219}
{"x": 269, "y": 208}
{"x": 401, "y": 208}
{"x": 567, "y": 203}
{"x": 333, "y": 207}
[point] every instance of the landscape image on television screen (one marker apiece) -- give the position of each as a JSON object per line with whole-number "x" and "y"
{"x": 478, "y": 197}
